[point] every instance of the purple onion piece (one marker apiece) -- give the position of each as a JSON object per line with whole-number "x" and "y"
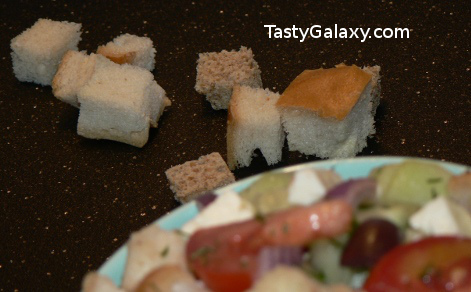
{"x": 205, "y": 199}
{"x": 354, "y": 191}
{"x": 271, "y": 256}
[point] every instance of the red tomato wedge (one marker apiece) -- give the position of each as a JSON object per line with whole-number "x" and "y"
{"x": 432, "y": 264}
{"x": 226, "y": 257}
{"x": 220, "y": 257}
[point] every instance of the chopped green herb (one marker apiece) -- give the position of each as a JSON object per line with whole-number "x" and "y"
{"x": 355, "y": 225}
{"x": 180, "y": 232}
{"x": 309, "y": 269}
{"x": 244, "y": 262}
{"x": 319, "y": 275}
{"x": 202, "y": 253}
{"x": 377, "y": 172}
{"x": 260, "y": 217}
{"x": 434, "y": 180}
{"x": 427, "y": 274}
{"x": 434, "y": 193}
{"x": 336, "y": 243}
{"x": 365, "y": 206}
{"x": 165, "y": 251}
{"x": 285, "y": 228}
{"x": 154, "y": 287}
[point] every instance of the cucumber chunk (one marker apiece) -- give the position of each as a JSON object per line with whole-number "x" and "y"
{"x": 412, "y": 182}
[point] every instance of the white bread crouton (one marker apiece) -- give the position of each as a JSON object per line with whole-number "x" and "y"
{"x": 288, "y": 278}
{"x": 37, "y": 52}
{"x": 330, "y": 112}
{"x": 149, "y": 249}
{"x": 170, "y": 278}
{"x": 217, "y": 73}
{"x": 130, "y": 49}
{"x": 196, "y": 177}
{"x": 120, "y": 103}
{"x": 94, "y": 282}
{"x": 75, "y": 69}
{"x": 253, "y": 123}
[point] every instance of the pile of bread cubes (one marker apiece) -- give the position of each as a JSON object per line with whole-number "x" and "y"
{"x": 324, "y": 112}
{"x": 114, "y": 89}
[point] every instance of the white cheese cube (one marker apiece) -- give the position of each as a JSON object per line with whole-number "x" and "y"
{"x": 442, "y": 217}
{"x": 227, "y": 208}
{"x": 306, "y": 188}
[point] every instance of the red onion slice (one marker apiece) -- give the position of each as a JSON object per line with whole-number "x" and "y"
{"x": 354, "y": 191}
{"x": 204, "y": 200}
{"x": 271, "y": 256}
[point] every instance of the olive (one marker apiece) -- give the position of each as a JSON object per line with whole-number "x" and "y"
{"x": 369, "y": 242}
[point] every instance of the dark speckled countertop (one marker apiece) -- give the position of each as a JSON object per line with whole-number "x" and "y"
{"x": 68, "y": 202}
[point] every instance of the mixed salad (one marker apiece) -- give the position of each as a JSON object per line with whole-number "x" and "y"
{"x": 406, "y": 227}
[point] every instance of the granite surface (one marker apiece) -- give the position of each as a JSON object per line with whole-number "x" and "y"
{"x": 69, "y": 202}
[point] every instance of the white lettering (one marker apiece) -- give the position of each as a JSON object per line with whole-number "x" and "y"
{"x": 364, "y": 33}
{"x": 316, "y": 31}
{"x": 328, "y": 33}
{"x": 353, "y": 32}
{"x": 278, "y": 33}
{"x": 390, "y": 33}
{"x": 303, "y": 34}
{"x": 287, "y": 33}
{"x": 294, "y": 32}
{"x": 319, "y": 32}
{"x": 398, "y": 30}
{"x": 269, "y": 29}
{"x": 376, "y": 35}
{"x": 343, "y": 33}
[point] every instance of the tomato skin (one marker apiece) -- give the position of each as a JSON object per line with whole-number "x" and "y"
{"x": 233, "y": 236}
{"x": 226, "y": 257}
{"x": 227, "y": 272}
{"x": 215, "y": 254}
{"x": 300, "y": 225}
{"x": 456, "y": 276}
{"x": 417, "y": 266}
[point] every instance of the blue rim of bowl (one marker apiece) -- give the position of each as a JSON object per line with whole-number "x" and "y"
{"x": 347, "y": 168}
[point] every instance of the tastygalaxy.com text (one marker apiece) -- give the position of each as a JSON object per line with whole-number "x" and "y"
{"x": 317, "y": 31}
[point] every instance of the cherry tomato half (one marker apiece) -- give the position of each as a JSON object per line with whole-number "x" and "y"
{"x": 431, "y": 264}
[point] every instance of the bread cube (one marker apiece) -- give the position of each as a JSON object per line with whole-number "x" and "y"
{"x": 217, "y": 73}
{"x": 330, "y": 112}
{"x": 75, "y": 69}
{"x": 194, "y": 178}
{"x": 120, "y": 103}
{"x": 291, "y": 278}
{"x": 37, "y": 52}
{"x": 145, "y": 248}
{"x": 130, "y": 49}
{"x": 95, "y": 282}
{"x": 288, "y": 278}
{"x": 253, "y": 123}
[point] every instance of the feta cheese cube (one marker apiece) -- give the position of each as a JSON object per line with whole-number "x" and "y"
{"x": 227, "y": 208}
{"x": 306, "y": 188}
{"x": 442, "y": 217}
